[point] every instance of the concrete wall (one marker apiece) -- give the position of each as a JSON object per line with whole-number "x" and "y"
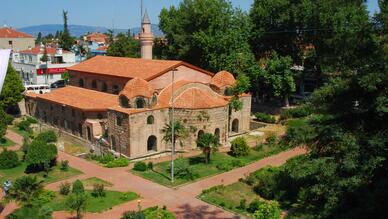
{"x": 17, "y": 43}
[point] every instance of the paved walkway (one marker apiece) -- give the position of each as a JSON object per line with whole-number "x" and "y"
{"x": 182, "y": 201}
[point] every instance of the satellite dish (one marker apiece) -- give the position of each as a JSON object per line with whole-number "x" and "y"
{"x": 4, "y": 59}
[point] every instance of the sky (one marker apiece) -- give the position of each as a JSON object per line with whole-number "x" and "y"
{"x": 107, "y": 13}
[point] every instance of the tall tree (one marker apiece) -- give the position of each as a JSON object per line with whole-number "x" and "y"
{"x": 124, "y": 46}
{"x": 208, "y": 33}
{"x": 13, "y": 88}
{"x": 207, "y": 142}
{"x": 66, "y": 41}
{"x": 39, "y": 38}
{"x": 279, "y": 77}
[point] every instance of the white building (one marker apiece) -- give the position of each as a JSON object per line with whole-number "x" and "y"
{"x": 33, "y": 71}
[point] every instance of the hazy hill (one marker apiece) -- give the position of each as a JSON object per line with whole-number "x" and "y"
{"x": 78, "y": 30}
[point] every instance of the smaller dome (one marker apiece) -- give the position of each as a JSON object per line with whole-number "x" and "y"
{"x": 222, "y": 79}
{"x": 137, "y": 87}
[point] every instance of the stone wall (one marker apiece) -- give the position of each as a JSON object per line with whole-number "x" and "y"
{"x": 118, "y": 134}
{"x": 113, "y": 84}
{"x": 241, "y": 117}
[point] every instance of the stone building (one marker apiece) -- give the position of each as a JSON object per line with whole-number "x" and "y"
{"x": 127, "y": 102}
{"x": 15, "y": 40}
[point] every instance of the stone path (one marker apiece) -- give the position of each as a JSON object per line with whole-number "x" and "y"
{"x": 182, "y": 201}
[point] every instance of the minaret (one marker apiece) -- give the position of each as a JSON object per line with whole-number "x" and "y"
{"x": 146, "y": 37}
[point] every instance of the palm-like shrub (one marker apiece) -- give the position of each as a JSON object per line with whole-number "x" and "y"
{"x": 25, "y": 189}
{"x": 180, "y": 132}
{"x": 77, "y": 203}
{"x": 207, "y": 142}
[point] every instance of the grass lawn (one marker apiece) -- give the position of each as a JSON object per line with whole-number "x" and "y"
{"x": 55, "y": 174}
{"x": 6, "y": 142}
{"x": 73, "y": 148}
{"x": 94, "y": 180}
{"x": 228, "y": 197}
{"x": 95, "y": 204}
{"x": 161, "y": 175}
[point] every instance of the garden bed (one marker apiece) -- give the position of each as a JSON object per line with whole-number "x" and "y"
{"x": 94, "y": 180}
{"x": 95, "y": 204}
{"x": 219, "y": 163}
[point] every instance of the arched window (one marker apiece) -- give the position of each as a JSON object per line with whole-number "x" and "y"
{"x": 200, "y": 133}
{"x": 115, "y": 89}
{"x": 94, "y": 84}
{"x": 140, "y": 102}
{"x": 217, "y": 133}
{"x": 104, "y": 87}
{"x": 124, "y": 102}
{"x": 235, "y": 125}
{"x": 152, "y": 143}
{"x": 113, "y": 142}
{"x": 81, "y": 82}
{"x": 150, "y": 120}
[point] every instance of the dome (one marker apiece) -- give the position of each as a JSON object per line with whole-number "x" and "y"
{"x": 196, "y": 98}
{"x": 137, "y": 87}
{"x": 222, "y": 79}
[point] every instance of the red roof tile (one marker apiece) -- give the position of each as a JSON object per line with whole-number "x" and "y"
{"x": 7, "y": 32}
{"x": 38, "y": 50}
{"x": 80, "y": 98}
{"x": 222, "y": 79}
{"x": 137, "y": 87}
{"x": 196, "y": 98}
{"x": 129, "y": 67}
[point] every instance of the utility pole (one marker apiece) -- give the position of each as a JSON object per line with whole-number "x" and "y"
{"x": 172, "y": 125}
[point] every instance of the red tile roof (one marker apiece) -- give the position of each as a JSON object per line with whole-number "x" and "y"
{"x": 130, "y": 67}
{"x": 196, "y": 98}
{"x": 222, "y": 79}
{"x": 191, "y": 98}
{"x": 137, "y": 87}
{"x": 102, "y": 48}
{"x": 7, "y": 32}
{"x": 38, "y": 50}
{"x": 80, "y": 98}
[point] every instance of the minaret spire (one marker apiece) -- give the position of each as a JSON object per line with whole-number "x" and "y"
{"x": 146, "y": 37}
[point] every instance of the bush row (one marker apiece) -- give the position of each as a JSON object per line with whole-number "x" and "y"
{"x": 263, "y": 117}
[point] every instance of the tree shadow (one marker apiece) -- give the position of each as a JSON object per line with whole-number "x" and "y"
{"x": 199, "y": 212}
{"x": 196, "y": 160}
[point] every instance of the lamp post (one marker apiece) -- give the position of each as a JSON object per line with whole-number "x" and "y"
{"x": 172, "y": 125}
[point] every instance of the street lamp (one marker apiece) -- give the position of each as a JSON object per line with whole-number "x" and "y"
{"x": 172, "y": 124}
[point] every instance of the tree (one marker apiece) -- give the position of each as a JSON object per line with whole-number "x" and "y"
{"x": 180, "y": 132}
{"x": 13, "y": 88}
{"x": 3, "y": 125}
{"x": 78, "y": 187}
{"x": 8, "y": 159}
{"x": 279, "y": 76}
{"x": 25, "y": 189}
{"x": 239, "y": 147}
{"x": 124, "y": 46}
{"x": 65, "y": 41}
{"x": 39, "y": 154}
{"x": 44, "y": 57}
{"x": 39, "y": 38}
{"x": 208, "y": 33}
{"x": 77, "y": 202}
{"x": 270, "y": 210}
{"x": 207, "y": 142}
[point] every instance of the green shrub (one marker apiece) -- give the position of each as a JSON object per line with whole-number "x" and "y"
{"x": 299, "y": 132}
{"x": 31, "y": 120}
{"x": 229, "y": 164}
{"x": 119, "y": 162}
{"x": 183, "y": 170}
{"x": 268, "y": 210}
{"x": 266, "y": 182}
{"x": 156, "y": 212}
{"x": 34, "y": 212}
{"x": 24, "y": 126}
{"x": 8, "y": 119}
{"x": 98, "y": 190}
{"x": 243, "y": 204}
{"x": 218, "y": 188}
{"x": 140, "y": 166}
{"x": 271, "y": 140}
{"x": 106, "y": 158}
{"x": 78, "y": 187}
{"x": 297, "y": 112}
{"x": 150, "y": 166}
{"x": 263, "y": 117}
{"x": 64, "y": 165}
{"x": 45, "y": 197}
{"x": 133, "y": 215}
{"x": 40, "y": 153}
{"x": 254, "y": 206}
{"x": 47, "y": 137}
{"x": 239, "y": 147}
{"x": 8, "y": 159}
{"x": 64, "y": 188}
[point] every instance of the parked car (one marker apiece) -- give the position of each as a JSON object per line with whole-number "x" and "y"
{"x": 58, "y": 84}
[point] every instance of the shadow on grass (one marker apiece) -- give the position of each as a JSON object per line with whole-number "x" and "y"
{"x": 161, "y": 174}
{"x": 196, "y": 160}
